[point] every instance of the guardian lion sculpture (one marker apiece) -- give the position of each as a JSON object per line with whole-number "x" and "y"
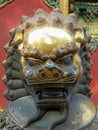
{"x": 48, "y": 75}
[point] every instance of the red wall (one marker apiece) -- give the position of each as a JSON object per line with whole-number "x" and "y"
{"x": 9, "y": 18}
{"x": 94, "y": 83}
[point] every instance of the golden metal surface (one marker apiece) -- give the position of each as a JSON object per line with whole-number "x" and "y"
{"x": 47, "y": 39}
{"x": 64, "y": 6}
{"x": 18, "y": 37}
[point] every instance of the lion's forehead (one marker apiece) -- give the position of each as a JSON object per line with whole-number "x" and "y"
{"x": 49, "y": 32}
{"x": 47, "y": 39}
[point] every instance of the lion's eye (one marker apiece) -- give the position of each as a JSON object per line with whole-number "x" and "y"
{"x": 66, "y": 60}
{"x": 32, "y": 63}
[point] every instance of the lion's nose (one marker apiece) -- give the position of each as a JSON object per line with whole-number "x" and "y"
{"x": 50, "y": 71}
{"x": 50, "y": 64}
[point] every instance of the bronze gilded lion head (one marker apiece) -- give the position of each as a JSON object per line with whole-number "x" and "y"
{"x": 45, "y": 54}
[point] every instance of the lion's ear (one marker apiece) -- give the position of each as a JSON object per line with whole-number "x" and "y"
{"x": 79, "y": 36}
{"x": 18, "y": 38}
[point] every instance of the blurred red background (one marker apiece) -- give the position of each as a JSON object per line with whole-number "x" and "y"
{"x": 9, "y": 18}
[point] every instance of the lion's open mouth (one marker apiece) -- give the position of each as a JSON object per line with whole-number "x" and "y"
{"x": 51, "y": 97}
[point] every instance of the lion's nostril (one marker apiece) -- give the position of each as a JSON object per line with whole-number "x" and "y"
{"x": 56, "y": 75}
{"x": 49, "y": 74}
{"x": 43, "y": 75}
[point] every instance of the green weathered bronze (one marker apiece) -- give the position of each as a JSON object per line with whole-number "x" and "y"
{"x": 4, "y": 2}
{"x": 52, "y": 3}
{"x": 48, "y": 75}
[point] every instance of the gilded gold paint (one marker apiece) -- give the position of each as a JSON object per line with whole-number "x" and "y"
{"x": 64, "y": 6}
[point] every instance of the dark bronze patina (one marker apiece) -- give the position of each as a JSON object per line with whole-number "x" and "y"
{"x": 48, "y": 75}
